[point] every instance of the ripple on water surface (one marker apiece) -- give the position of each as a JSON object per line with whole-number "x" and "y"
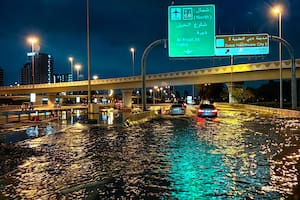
{"x": 172, "y": 158}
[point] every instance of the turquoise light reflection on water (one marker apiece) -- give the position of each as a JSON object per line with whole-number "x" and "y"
{"x": 218, "y": 159}
{"x": 195, "y": 171}
{"x": 232, "y": 157}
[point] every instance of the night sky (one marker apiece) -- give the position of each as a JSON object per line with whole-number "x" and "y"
{"x": 118, "y": 25}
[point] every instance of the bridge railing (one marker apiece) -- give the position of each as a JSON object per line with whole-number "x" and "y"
{"x": 9, "y": 107}
{"x": 213, "y": 70}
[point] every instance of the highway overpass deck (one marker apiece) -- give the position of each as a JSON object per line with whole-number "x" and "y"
{"x": 222, "y": 74}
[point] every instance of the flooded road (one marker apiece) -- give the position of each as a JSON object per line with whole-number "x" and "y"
{"x": 239, "y": 155}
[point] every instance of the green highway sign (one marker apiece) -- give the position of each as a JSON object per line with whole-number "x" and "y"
{"x": 191, "y": 30}
{"x": 242, "y": 44}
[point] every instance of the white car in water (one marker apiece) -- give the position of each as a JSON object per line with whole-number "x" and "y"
{"x": 177, "y": 109}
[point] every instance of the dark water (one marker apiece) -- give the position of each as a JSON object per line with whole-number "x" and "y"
{"x": 235, "y": 156}
{"x": 13, "y": 135}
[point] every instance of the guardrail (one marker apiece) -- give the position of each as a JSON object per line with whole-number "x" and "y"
{"x": 9, "y": 107}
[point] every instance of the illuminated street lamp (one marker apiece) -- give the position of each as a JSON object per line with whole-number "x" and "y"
{"x": 152, "y": 95}
{"x": 161, "y": 95}
{"x": 95, "y": 77}
{"x": 71, "y": 59}
{"x": 132, "y": 50}
{"x": 157, "y": 89}
{"x": 278, "y": 11}
{"x": 78, "y": 68}
{"x": 111, "y": 93}
{"x": 32, "y": 40}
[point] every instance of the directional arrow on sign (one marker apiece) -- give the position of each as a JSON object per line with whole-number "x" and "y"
{"x": 188, "y": 51}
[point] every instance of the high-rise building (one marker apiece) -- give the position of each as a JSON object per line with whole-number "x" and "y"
{"x": 26, "y": 74}
{"x": 43, "y": 70}
{"x": 1, "y": 77}
{"x": 58, "y": 78}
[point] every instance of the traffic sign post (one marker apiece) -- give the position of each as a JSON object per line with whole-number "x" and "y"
{"x": 191, "y": 30}
{"x": 245, "y": 44}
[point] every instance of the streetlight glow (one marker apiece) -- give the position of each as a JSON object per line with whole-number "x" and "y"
{"x": 78, "y": 68}
{"x": 95, "y": 77}
{"x": 71, "y": 59}
{"x": 278, "y": 11}
{"x": 132, "y": 50}
{"x": 32, "y": 40}
{"x": 111, "y": 93}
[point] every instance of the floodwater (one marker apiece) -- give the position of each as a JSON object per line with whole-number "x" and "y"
{"x": 239, "y": 155}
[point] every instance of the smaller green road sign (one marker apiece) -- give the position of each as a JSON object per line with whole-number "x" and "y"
{"x": 245, "y": 44}
{"x": 191, "y": 30}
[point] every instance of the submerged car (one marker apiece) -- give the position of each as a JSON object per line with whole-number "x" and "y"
{"x": 207, "y": 110}
{"x": 177, "y": 109}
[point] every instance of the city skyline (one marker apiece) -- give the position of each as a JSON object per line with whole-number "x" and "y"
{"x": 118, "y": 26}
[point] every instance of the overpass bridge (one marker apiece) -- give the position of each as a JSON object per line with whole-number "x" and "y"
{"x": 221, "y": 74}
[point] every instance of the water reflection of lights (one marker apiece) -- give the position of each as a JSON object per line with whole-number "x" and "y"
{"x": 62, "y": 154}
{"x": 239, "y": 156}
{"x": 107, "y": 117}
{"x": 284, "y": 174}
{"x": 110, "y": 118}
{"x": 165, "y": 159}
{"x": 77, "y": 113}
{"x": 193, "y": 167}
{"x": 201, "y": 122}
{"x": 79, "y": 126}
{"x": 104, "y": 116}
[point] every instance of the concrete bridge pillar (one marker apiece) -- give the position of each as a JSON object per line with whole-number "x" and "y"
{"x": 231, "y": 87}
{"x": 38, "y": 100}
{"x": 126, "y": 98}
{"x": 51, "y": 99}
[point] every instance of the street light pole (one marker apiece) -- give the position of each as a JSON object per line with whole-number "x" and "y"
{"x": 132, "y": 50}
{"x": 143, "y": 68}
{"x": 32, "y": 41}
{"x": 293, "y": 69}
{"x": 32, "y": 61}
{"x": 71, "y": 59}
{"x": 78, "y": 74}
{"x": 151, "y": 94}
{"x": 88, "y": 54}
{"x": 155, "y": 89}
{"x": 132, "y": 55}
{"x": 278, "y": 10}
{"x": 77, "y": 67}
{"x": 280, "y": 58}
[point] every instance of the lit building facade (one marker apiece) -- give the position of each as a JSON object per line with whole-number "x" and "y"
{"x": 1, "y": 77}
{"x": 58, "y": 78}
{"x": 43, "y": 70}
